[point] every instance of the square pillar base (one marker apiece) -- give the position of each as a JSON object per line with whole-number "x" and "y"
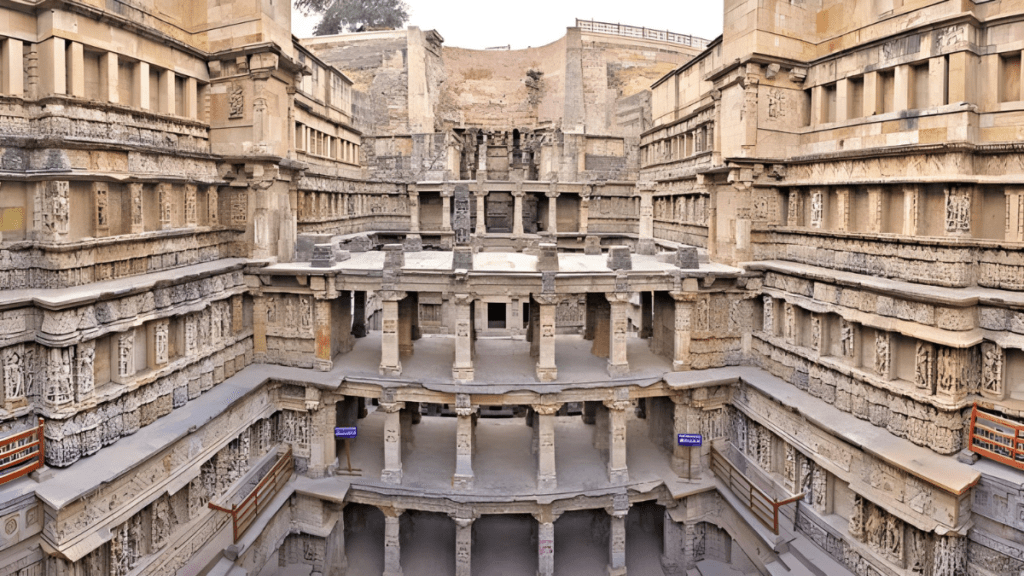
{"x": 324, "y": 365}
{"x": 462, "y": 482}
{"x": 547, "y": 374}
{"x": 615, "y": 370}
{"x": 462, "y": 374}
{"x": 617, "y": 476}
{"x": 391, "y": 370}
{"x": 678, "y": 366}
{"x": 617, "y": 571}
{"x": 391, "y": 476}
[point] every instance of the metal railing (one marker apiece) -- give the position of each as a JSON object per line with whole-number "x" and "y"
{"x": 639, "y": 32}
{"x": 22, "y": 453}
{"x": 997, "y": 438}
{"x": 764, "y": 507}
{"x": 245, "y": 513}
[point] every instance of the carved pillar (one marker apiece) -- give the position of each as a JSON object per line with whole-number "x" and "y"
{"x": 212, "y": 206}
{"x": 359, "y": 314}
{"x": 191, "y": 205}
{"x": 958, "y": 210}
{"x": 818, "y": 207}
{"x": 545, "y": 544}
{"x": 552, "y": 210}
{"x": 794, "y": 216}
{"x": 101, "y": 207}
{"x": 646, "y": 314}
{"x": 1014, "y": 214}
{"x": 462, "y": 370}
{"x": 618, "y": 360}
{"x": 992, "y": 371}
{"x": 517, "y": 218}
{"x": 464, "y": 410}
{"x": 408, "y": 315}
{"x": 158, "y": 340}
{"x": 392, "y": 542}
{"x": 463, "y": 545}
{"x": 883, "y": 354}
{"x": 950, "y": 556}
{"x": 481, "y": 212}
{"x": 414, "y": 209}
{"x": 874, "y": 212}
{"x": 323, "y": 446}
{"x": 547, "y": 369}
{"x": 617, "y": 535}
{"x": 392, "y": 471}
{"x": 911, "y": 194}
{"x": 686, "y": 420}
{"x": 842, "y": 212}
{"x": 645, "y": 243}
{"x": 323, "y": 360}
{"x": 53, "y": 213}
{"x": 617, "y": 471}
{"x": 446, "y": 210}
{"x": 547, "y": 478}
{"x": 124, "y": 358}
{"x": 259, "y": 327}
{"x": 165, "y": 204}
{"x": 768, "y": 316}
{"x": 390, "y": 363}
{"x": 683, "y": 327}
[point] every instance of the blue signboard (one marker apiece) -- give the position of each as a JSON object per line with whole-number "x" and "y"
{"x": 690, "y": 439}
{"x": 345, "y": 432}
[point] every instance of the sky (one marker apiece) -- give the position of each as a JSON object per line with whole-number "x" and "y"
{"x": 523, "y": 23}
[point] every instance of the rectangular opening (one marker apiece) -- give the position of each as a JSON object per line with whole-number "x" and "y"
{"x": 496, "y": 312}
{"x": 919, "y": 86}
{"x": 855, "y": 97}
{"x": 806, "y": 108}
{"x": 91, "y": 63}
{"x": 828, "y": 103}
{"x": 526, "y": 313}
{"x": 125, "y": 73}
{"x": 154, "y": 89}
{"x": 886, "y": 91}
{"x": 179, "y": 95}
{"x": 1009, "y": 77}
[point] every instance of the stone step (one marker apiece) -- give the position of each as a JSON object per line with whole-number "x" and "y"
{"x": 816, "y": 559}
{"x": 716, "y": 568}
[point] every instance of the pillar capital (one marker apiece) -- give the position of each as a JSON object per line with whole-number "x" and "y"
{"x": 547, "y": 299}
{"x": 391, "y": 407}
{"x": 619, "y": 405}
{"x": 392, "y": 295}
{"x": 546, "y": 409}
{"x": 518, "y": 192}
{"x": 683, "y": 296}
{"x": 617, "y": 297}
{"x": 391, "y": 511}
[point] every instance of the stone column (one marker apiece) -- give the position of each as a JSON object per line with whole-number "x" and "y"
{"x": 164, "y": 205}
{"x": 52, "y": 67}
{"x": 359, "y": 314}
{"x": 646, "y": 314}
{"x": 517, "y": 217}
{"x": 842, "y": 211}
{"x": 259, "y": 328}
{"x": 463, "y": 545}
{"x": 618, "y": 360}
{"x": 901, "y": 88}
{"x": 75, "y": 60}
{"x": 874, "y": 215}
{"x": 462, "y": 370}
{"x": 683, "y": 326}
{"x": 12, "y": 51}
{"x": 324, "y": 360}
{"x": 343, "y": 311}
{"x": 910, "y": 201}
{"x": 191, "y": 103}
{"x": 323, "y": 447}
{"x": 685, "y": 420}
{"x": 673, "y": 556}
{"x": 414, "y": 209}
{"x": 464, "y": 410}
{"x": 392, "y": 472}
{"x": 645, "y": 243}
{"x": 166, "y": 96}
{"x": 584, "y": 211}
{"x": 446, "y": 210}
{"x": 617, "y": 535}
{"x": 552, "y": 210}
{"x": 1014, "y": 213}
{"x": 390, "y": 362}
{"x": 101, "y": 209}
{"x": 547, "y": 478}
{"x": 481, "y": 212}
{"x": 407, "y": 316}
{"x": 545, "y": 543}
{"x": 617, "y": 471}
{"x": 547, "y": 370}
{"x": 871, "y": 96}
{"x": 392, "y": 543}
{"x": 843, "y": 100}
{"x": 140, "y": 86}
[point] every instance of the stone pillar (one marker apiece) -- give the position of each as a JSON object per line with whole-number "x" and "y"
{"x": 75, "y": 60}
{"x": 390, "y": 363}
{"x": 343, "y": 312}
{"x": 462, "y": 370}
{"x": 101, "y": 209}
{"x": 901, "y": 88}
{"x": 464, "y": 410}
{"x": 335, "y": 560}
{"x": 324, "y": 360}
{"x": 910, "y": 200}
{"x": 871, "y": 96}
{"x": 359, "y": 314}
{"x": 259, "y": 328}
{"x": 164, "y": 205}
{"x": 53, "y": 211}
{"x": 545, "y": 544}
{"x": 12, "y": 83}
{"x": 685, "y": 461}
{"x": 463, "y": 545}
{"x": 617, "y": 536}
{"x": 407, "y": 316}
{"x": 617, "y": 471}
{"x": 52, "y": 67}
{"x": 547, "y": 369}
{"x": 618, "y": 360}
{"x": 392, "y": 472}
{"x": 414, "y": 209}
{"x": 683, "y": 326}
{"x": 584, "y": 212}
{"x": 843, "y": 100}
{"x": 481, "y": 212}
{"x": 842, "y": 211}
{"x": 191, "y": 104}
{"x": 166, "y": 96}
{"x": 673, "y": 556}
{"x": 600, "y": 426}
{"x": 552, "y": 195}
{"x": 140, "y": 86}
{"x": 517, "y": 218}
{"x": 645, "y": 242}
{"x": 874, "y": 215}
{"x": 817, "y": 96}
{"x": 392, "y": 543}
{"x": 446, "y": 210}
{"x": 323, "y": 446}
{"x": 212, "y": 204}
{"x": 1014, "y": 213}
{"x": 547, "y": 477}
{"x": 646, "y": 314}
{"x": 937, "y": 82}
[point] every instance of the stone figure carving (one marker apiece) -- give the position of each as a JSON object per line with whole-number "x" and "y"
{"x": 126, "y": 354}
{"x": 702, "y": 311}
{"x": 191, "y": 334}
{"x": 769, "y": 315}
{"x": 892, "y": 540}
{"x": 958, "y": 210}
{"x": 164, "y": 201}
{"x": 190, "y": 204}
{"x": 239, "y": 208}
{"x": 817, "y": 209}
{"x": 816, "y": 332}
{"x": 789, "y": 326}
{"x": 949, "y": 367}
{"x": 212, "y": 200}
{"x": 56, "y": 212}
{"x": 58, "y": 387}
{"x": 161, "y": 523}
{"x": 856, "y": 525}
{"x": 102, "y": 207}
{"x": 925, "y": 366}
{"x": 795, "y": 208}
{"x": 160, "y": 343}
{"x": 764, "y": 448}
{"x": 882, "y": 354}
{"x": 85, "y": 356}
{"x": 236, "y": 101}
{"x": 305, "y": 312}
{"x": 873, "y": 527}
{"x": 917, "y": 552}
{"x": 136, "y": 203}
{"x": 951, "y": 35}
{"x": 992, "y": 368}
{"x": 950, "y": 556}
{"x": 119, "y": 561}
{"x": 14, "y": 372}
{"x": 789, "y": 472}
{"x": 819, "y": 489}
{"x": 846, "y": 338}
{"x": 776, "y": 103}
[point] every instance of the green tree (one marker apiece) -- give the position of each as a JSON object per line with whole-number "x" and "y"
{"x": 337, "y": 16}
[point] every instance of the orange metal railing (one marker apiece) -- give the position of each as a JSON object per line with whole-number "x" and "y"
{"x": 245, "y": 513}
{"x": 640, "y": 32}
{"x": 22, "y": 453}
{"x": 997, "y": 438}
{"x": 764, "y": 507}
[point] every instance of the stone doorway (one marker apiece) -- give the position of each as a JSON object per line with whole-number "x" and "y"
{"x": 500, "y": 209}
{"x": 497, "y": 315}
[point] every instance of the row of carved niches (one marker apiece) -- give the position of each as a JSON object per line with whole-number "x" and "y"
{"x": 327, "y": 206}
{"x": 144, "y": 539}
{"x": 684, "y": 209}
{"x": 501, "y": 152}
{"x": 899, "y": 544}
{"x": 674, "y": 145}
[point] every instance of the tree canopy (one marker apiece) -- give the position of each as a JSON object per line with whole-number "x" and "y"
{"x": 337, "y": 16}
